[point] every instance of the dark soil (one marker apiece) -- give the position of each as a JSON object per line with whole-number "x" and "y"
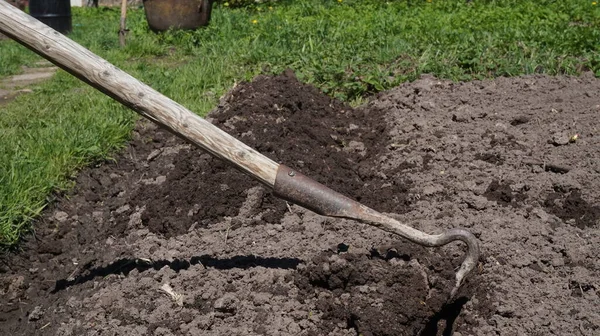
{"x": 169, "y": 241}
{"x": 386, "y": 292}
{"x": 289, "y": 122}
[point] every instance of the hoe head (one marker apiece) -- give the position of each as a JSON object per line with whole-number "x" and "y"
{"x": 302, "y": 190}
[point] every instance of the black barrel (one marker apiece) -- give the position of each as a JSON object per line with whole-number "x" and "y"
{"x": 54, "y": 13}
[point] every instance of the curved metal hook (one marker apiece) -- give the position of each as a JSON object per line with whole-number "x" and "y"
{"x": 302, "y": 190}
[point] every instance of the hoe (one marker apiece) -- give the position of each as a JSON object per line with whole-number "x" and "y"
{"x": 285, "y": 182}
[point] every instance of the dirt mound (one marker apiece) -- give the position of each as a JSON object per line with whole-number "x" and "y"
{"x": 290, "y": 122}
{"x": 296, "y": 124}
{"x": 169, "y": 241}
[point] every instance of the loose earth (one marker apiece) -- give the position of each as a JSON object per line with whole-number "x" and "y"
{"x": 167, "y": 240}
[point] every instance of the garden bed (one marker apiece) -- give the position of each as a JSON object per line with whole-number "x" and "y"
{"x": 167, "y": 240}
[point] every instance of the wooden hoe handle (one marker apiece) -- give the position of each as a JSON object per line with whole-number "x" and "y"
{"x": 286, "y": 183}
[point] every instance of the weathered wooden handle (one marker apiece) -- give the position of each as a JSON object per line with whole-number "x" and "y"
{"x": 132, "y": 93}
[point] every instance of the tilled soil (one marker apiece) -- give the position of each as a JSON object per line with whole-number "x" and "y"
{"x": 169, "y": 241}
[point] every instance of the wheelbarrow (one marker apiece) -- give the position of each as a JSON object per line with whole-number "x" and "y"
{"x": 286, "y": 183}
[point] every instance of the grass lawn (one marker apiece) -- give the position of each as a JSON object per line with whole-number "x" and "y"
{"x": 348, "y": 48}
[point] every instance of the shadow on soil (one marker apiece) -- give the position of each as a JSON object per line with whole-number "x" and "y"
{"x": 449, "y": 313}
{"x": 126, "y": 265}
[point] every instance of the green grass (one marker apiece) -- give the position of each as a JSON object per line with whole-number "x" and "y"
{"x": 349, "y": 49}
